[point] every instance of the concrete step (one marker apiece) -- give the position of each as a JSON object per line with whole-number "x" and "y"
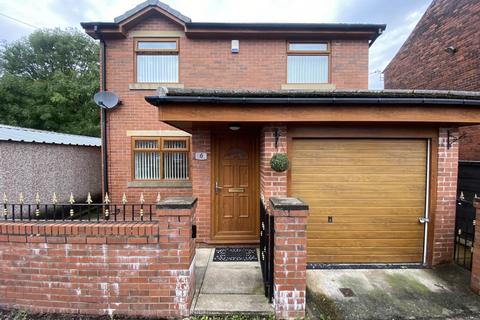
{"x": 218, "y": 304}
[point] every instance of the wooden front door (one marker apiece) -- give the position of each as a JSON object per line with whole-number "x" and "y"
{"x": 235, "y": 187}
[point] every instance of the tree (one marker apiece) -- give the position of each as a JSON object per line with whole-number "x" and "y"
{"x": 47, "y": 81}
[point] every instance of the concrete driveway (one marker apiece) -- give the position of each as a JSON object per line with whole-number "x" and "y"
{"x": 440, "y": 293}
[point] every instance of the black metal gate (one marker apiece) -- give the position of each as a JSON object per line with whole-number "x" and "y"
{"x": 266, "y": 250}
{"x": 468, "y": 187}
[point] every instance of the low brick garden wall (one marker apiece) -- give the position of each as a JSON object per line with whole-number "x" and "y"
{"x": 142, "y": 268}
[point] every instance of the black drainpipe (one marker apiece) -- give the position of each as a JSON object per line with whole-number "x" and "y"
{"x": 103, "y": 49}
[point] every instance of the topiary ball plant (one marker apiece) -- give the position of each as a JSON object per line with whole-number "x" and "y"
{"x": 279, "y": 162}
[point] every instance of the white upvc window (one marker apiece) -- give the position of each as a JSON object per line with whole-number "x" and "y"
{"x": 308, "y": 62}
{"x": 156, "y": 60}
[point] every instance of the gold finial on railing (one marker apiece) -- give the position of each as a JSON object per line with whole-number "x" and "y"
{"x": 142, "y": 201}
{"x": 158, "y": 198}
{"x": 124, "y": 199}
{"x": 89, "y": 198}
{"x": 5, "y": 199}
{"x": 54, "y": 198}
{"x": 37, "y": 202}
{"x": 71, "y": 200}
{"x": 21, "y": 198}
{"x": 106, "y": 200}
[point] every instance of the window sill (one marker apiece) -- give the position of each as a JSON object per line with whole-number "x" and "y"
{"x": 308, "y": 86}
{"x": 153, "y": 86}
{"x": 160, "y": 184}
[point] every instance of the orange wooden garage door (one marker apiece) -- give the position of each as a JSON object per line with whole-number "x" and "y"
{"x": 365, "y": 197}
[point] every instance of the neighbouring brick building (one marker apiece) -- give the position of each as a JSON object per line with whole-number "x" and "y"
{"x": 205, "y": 109}
{"x": 442, "y": 53}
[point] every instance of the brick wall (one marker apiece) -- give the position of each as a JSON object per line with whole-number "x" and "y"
{"x": 134, "y": 114}
{"x": 208, "y": 64}
{"x": 469, "y": 144}
{"x": 143, "y": 269}
{"x": 201, "y": 175}
{"x": 423, "y": 63}
{"x": 272, "y": 184}
{"x": 290, "y": 259}
{"x": 444, "y": 219}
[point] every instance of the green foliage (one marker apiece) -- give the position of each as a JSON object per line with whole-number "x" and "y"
{"x": 279, "y": 162}
{"x": 47, "y": 81}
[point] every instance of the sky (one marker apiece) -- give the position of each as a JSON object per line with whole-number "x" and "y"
{"x": 401, "y": 16}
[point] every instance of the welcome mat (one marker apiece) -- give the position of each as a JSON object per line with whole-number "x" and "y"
{"x": 229, "y": 254}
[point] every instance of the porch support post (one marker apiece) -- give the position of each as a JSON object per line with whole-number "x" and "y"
{"x": 176, "y": 216}
{"x": 290, "y": 257}
{"x": 475, "y": 280}
{"x": 273, "y": 139}
{"x": 444, "y": 218}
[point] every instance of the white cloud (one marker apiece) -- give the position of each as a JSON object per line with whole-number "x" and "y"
{"x": 386, "y": 47}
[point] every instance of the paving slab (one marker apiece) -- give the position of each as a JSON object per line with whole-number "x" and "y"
{"x": 203, "y": 256}
{"x": 232, "y": 303}
{"x": 440, "y": 293}
{"x": 229, "y": 278}
{"x": 228, "y": 287}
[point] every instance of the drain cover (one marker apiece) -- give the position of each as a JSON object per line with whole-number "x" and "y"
{"x": 347, "y": 292}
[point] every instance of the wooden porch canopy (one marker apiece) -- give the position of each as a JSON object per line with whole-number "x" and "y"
{"x": 186, "y": 107}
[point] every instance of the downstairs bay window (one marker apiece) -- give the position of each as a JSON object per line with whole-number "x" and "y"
{"x": 160, "y": 159}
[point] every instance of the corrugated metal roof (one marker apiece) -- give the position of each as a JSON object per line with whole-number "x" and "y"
{"x": 10, "y": 133}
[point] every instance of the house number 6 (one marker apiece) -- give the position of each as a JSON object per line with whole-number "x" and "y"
{"x": 200, "y": 156}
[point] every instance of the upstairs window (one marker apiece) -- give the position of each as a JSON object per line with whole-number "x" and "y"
{"x": 160, "y": 158}
{"x": 308, "y": 62}
{"x": 156, "y": 60}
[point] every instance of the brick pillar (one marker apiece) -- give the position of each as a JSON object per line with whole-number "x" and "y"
{"x": 475, "y": 280}
{"x": 290, "y": 257}
{"x": 272, "y": 184}
{"x": 201, "y": 175}
{"x": 444, "y": 223}
{"x": 176, "y": 216}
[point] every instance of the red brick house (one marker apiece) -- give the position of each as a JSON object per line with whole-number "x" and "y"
{"x": 205, "y": 108}
{"x": 441, "y": 53}
{"x": 243, "y": 92}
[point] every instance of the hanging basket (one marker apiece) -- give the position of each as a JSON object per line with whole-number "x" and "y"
{"x": 279, "y": 162}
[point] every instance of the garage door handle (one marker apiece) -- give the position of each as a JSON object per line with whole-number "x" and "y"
{"x": 423, "y": 220}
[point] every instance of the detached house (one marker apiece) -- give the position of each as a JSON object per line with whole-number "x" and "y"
{"x": 377, "y": 168}
{"x": 209, "y": 113}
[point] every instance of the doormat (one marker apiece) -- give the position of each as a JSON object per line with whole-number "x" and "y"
{"x": 228, "y": 254}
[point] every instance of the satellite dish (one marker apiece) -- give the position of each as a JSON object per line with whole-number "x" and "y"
{"x": 106, "y": 99}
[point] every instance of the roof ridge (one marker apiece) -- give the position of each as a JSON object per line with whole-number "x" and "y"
{"x": 152, "y": 3}
{"x": 44, "y": 131}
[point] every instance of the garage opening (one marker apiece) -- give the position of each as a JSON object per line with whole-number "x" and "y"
{"x": 367, "y": 198}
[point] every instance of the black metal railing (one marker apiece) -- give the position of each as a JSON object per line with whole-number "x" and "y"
{"x": 266, "y": 250}
{"x": 94, "y": 212}
{"x": 464, "y": 233}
